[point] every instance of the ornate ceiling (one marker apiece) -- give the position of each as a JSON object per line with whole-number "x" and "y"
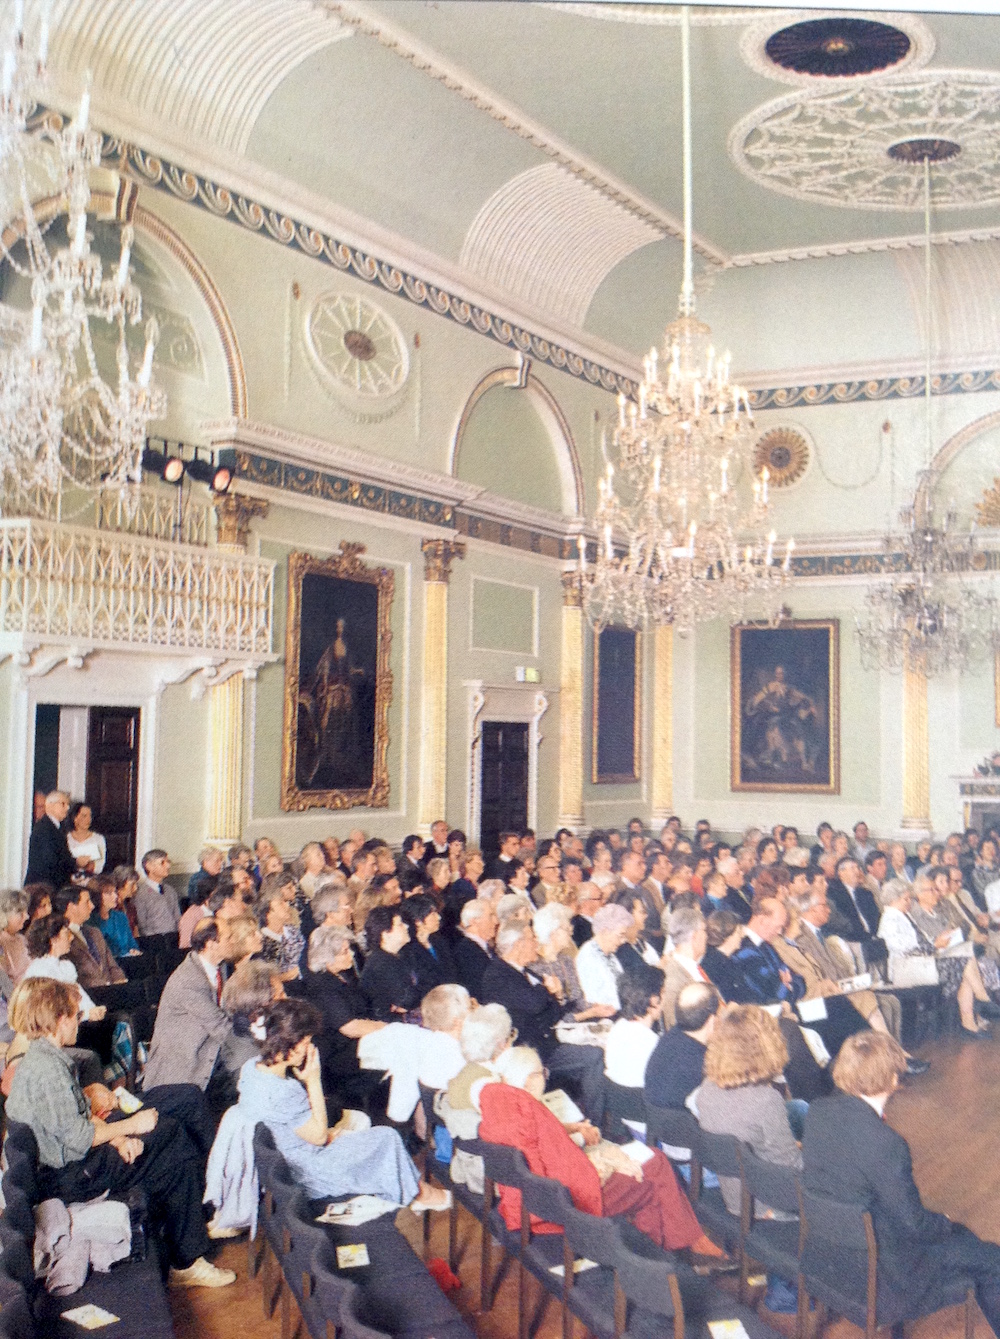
{"x": 531, "y": 151}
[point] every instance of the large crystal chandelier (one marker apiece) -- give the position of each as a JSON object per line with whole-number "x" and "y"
{"x": 934, "y": 616}
{"x": 679, "y": 533}
{"x": 61, "y": 416}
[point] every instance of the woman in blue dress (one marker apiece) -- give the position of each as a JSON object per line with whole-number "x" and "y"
{"x": 283, "y": 1089}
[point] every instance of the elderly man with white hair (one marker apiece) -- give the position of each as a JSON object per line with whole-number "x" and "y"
{"x": 682, "y": 964}
{"x": 49, "y": 857}
{"x": 597, "y": 965}
{"x": 536, "y": 1007}
{"x": 473, "y": 949}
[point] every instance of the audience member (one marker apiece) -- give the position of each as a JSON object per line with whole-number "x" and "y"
{"x": 49, "y": 941}
{"x": 428, "y": 954}
{"x": 111, "y": 921}
{"x": 89, "y": 952}
{"x": 88, "y": 848}
{"x": 675, "y": 1067}
{"x": 49, "y": 857}
{"x": 387, "y": 980}
{"x": 631, "y": 1040}
{"x": 473, "y": 949}
{"x": 156, "y": 907}
{"x": 14, "y": 955}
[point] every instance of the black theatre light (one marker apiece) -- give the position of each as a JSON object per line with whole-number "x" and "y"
{"x": 224, "y": 471}
{"x": 173, "y": 470}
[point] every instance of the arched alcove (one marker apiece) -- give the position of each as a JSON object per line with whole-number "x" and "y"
{"x": 513, "y": 439}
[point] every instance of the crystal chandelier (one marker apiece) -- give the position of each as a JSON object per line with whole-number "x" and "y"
{"x": 929, "y": 619}
{"x": 60, "y": 415}
{"x": 679, "y": 538}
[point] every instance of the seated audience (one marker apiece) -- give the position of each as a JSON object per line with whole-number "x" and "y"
{"x": 648, "y": 1194}
{"x": 473, "y": 949}
{"x": 933, "y": 932}
{"x": 243, "y": 940}
{"x": 675, "y": 1067}
{"x": 156, "y": 907}
{"x": 14, "y": 955}
{"x": 127, "y": 882}
{"x": 688, "y": 937}
{"x": 111, "y": 921}
{"x": 536, "y": 1008}
{"x": 193, "y": 1039}
{"x": 443, "y": 1012}
{"x": 851, "y": 1154}
{"x": 332, "y": 986}
{"x": 81, "y": 1156}
{"x": 201, "y": 884}
{"x": 854, "y": 910}
{"x": 88, "y": 952}
{"x": 428, "y": 954}
{"x": 88, "y": 848}
{"x": 39, "y": 900}
{"x": 552, "y": 924}
{"x": 49, "y": 941}
{"x": 246, "y": 995}
{"x": 283, "y": 943}
{"x": 387, "y": 979}
{"x": 597, "y": 965}
{"x": 637, "y": 952}
{"x": 312, "y": 858}
{"x": 632, "y": 1040}
{"x": 284, "y": 1090}
{"x": 745, "y": 1057}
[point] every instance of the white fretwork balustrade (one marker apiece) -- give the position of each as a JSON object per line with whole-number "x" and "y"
{"x": 102, "y": 588}
{"x": 154, "y": 514}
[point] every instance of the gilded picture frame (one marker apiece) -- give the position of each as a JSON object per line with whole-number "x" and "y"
{"x": 338, "y": 684}
{"x": 616, "y": 709}
{"x": 785, "y": 707}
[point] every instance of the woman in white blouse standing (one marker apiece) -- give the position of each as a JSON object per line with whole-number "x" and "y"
{"x": 88, "y": 848}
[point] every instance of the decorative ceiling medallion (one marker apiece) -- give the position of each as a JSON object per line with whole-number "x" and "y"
{"x": 832, "y": 146}
{"x": 916, "y": 150}
{"x": 834, "y": 46}
{"x": 837, "y": 48}
{"x": 785, "y": 454}
{"x": 356, "y": 347}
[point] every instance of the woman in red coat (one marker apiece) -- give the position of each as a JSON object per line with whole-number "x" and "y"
{"x": 647, "y": 1193}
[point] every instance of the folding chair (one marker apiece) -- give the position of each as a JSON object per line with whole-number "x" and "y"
{"x": 678, "y": 1129}
{"x": 839, "y": 1266}
{"x": 720, "y": 1153}
{"x": 775, "y": 1245}
{"x": 501, "y": 1167}
{"x": 542, "y": 1252}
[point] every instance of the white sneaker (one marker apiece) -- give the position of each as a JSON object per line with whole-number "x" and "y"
{"x": 201, "y": 1275}
{"x": 217, "y": 1233}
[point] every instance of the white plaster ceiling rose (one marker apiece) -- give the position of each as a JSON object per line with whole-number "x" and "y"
{"x": 832, "y": 146}
{"x": 359, "y": 351}
{"x": 753, "y": 44}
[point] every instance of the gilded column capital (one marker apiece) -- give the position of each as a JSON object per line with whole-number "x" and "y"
{"x": 439, "y": 554}
{"x": 572, "y": 584}
{"x": 233, "y": 514}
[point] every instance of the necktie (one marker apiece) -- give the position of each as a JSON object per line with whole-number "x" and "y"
{"x": 703, "y": 974}
{"x": 218, "y": 986}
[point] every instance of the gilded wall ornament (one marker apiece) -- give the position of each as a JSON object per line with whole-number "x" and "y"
{"x": 785, "y": 454}
{"x": 988, "y": 507}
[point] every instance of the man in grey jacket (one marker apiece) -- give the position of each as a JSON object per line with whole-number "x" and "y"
{"x": 193, "y": 1039}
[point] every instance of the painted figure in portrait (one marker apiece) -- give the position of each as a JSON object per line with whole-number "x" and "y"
{"x": 785, "y": 707}
{"x": 338, "y": 684}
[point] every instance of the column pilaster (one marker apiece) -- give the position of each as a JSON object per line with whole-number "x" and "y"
{"x": 225, "y": 762}
{"x": 571, "y": 704}
{"x": 662, "y": 788}
{"x": 916, "y": 753}
{"x": 438, "y": 557}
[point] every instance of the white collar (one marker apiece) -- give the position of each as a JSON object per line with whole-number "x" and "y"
{"x": 753, "y": 936}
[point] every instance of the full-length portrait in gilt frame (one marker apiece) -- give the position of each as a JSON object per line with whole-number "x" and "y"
{"x": 785, "y": 685}
{"x": 338, "y": 684}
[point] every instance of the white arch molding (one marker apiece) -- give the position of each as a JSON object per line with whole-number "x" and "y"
{"x": 954, "y": 447}
{"x": 553, "y": 419}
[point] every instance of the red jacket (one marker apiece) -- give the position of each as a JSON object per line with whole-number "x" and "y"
{"x": 513, "y": 1117}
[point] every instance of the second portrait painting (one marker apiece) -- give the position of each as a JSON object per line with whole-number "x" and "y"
{"x": 786, "y": 707}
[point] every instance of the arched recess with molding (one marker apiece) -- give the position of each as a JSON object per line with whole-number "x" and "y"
{"x": 488, "y": 415}
{"x": 965, "y": 466}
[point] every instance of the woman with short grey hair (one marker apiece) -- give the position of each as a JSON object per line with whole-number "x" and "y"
{"x": 327, "y": 944}
{"x": 332, "y": 986}
{"x": 14, "y": 955}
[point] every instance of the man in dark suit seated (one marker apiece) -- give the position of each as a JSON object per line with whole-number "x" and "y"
{"x": 89, "y": 952}
{"x": 473, "y": 949}
{"x": 49, "y": 858}
{"x": 499, "y": 867}
{"x": 588, "y": 903}
{"x": 850, "y": 1154}
{"x": 738, "y": 894}
{"x": 856, "y": 914}
{"x": 535, "y": 1007}
{"x": 675, "y": 1067}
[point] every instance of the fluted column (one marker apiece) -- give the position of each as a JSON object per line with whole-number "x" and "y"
{"x": 438, "y": 557}
{"x": 571, "y": 704}
{"x": 662, "y": 790}
{"x": 916, "y": 753}
{"x": 225, "y": 762}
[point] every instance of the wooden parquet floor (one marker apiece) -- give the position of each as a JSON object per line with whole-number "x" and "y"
{"x": 951, "y": 1117}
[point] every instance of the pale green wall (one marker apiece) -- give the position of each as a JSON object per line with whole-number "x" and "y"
{"x": 180, "y": 789}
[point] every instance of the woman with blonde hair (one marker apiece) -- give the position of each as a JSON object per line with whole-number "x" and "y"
{"x": 312, "y": 859}
{"x": 745, "y": 1059}
{"x": 245, "y": 939}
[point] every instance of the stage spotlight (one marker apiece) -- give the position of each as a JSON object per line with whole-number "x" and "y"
{"x": 202, "y": 471}
{"x": 173, "y": 470}
{"x": 225, "y": 471}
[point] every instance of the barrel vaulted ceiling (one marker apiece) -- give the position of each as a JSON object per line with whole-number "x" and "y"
{"x": 530, "y": 152}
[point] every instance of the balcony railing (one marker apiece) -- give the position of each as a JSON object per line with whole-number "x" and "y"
{"x": 101, "y": 587}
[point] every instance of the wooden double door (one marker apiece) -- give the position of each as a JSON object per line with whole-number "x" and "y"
{"x": 504, "y": 786}
{"x": 113, "y": 778}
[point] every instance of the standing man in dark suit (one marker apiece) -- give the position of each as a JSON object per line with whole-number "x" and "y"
{"x": 535, "y": 1008}
{"x": 851, "y": 1154}
{"x": 856, "y": 913}
{"x": 49, "y": 859}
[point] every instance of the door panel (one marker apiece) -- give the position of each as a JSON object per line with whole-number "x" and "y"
{"x": 504, "y": 785}
{"x": 113, "y": 778}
